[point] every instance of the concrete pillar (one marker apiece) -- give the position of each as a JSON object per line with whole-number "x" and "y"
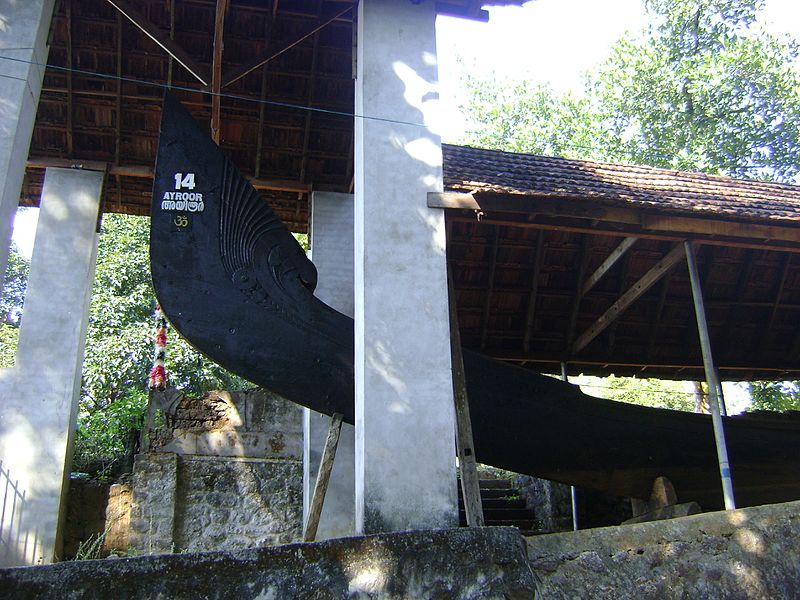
{"x": 331, "y": 239}
{"x": 24, "y": 26}
{"x": 39, "y": 397}
{"x": 405, "y": 457}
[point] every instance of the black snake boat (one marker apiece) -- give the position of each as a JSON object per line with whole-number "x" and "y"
{"x": 234, "y": 282}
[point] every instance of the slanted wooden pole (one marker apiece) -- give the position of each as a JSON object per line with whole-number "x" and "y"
{"x": 573, "y": 494}
{"x": 470, "y": 485}
{"x": 323, "y": 477}
{"x": 711, "y": 378}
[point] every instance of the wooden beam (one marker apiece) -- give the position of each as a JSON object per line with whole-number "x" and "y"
{"x": 262, "y": 107}
{"x": 599, "y": 228}
{"x": 612, "y": 330}
{"x": 576, "y": 302}
{"x": 171, "y": 61}
{"x": 143, "y": 172}
{"x": 609, "y": 262}
{"x": 465, "y": 445}
{"x": 531, "y": 312}
{"x": 323, "y": 477}
{"x": 662, "y": 298}
{"x": 310, "y": 98}
{"x": 629, "y": 297}
{"x": 274, "y": 53}
{"x": 162, "y": 40}
{"x": 490, "y": 286}
{"x": 70, "y": 107}
{"x": 118, "y": 99}
{"x": 641, "y": 365}
{"x": 635, "y": 220}
{"x": 216, "y": 69}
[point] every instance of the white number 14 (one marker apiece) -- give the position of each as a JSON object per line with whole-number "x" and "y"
{"x": 186, "y": 181}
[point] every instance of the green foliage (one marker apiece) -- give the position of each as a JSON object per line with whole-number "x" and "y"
{"x": 520, "y": 116}
{"x": 656, "y": 393}
{"x": 119, "y": 349}
{"x": 775, "y": 395}
{"x": 703, "y": 89}
{"x": 14, "y": 286}
{"x": 11, "y": 299}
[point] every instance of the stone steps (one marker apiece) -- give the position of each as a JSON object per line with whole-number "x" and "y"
{"x": 503, "y": 506}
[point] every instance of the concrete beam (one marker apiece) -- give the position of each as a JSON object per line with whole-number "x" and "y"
{"x": 405, "y": 417}
{"x": 23, "y": 54}
{"x": 39, "y": 397}
{"x": 331, "y": 239}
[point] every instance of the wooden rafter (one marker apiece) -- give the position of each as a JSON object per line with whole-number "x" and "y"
{"x": 310, "y": 97}
{"x": 70, "y": 107}
{"x": 612, "y": 330}
{"x": 589, "y": 217}
{"x": 609, "y": 262}
{"x": 142, "y": 172}
{"x": 728, "y": 331}
{"x": 273, "y": 53}
{"x": 490, "y": 287}
{"x": 662, "y": 299}
{"x": 163, "y": 40}
{"x": 583, "y": 262}
{"x": 216, "y": 69}
{"x": 607, "y": 229}
{"x": 629, "y": 297}
{"x": 531, "y": 312}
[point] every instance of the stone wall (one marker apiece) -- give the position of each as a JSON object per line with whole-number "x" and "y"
{"x": 97, "y": 511}
{"x": 752, "y": 553}
{"x": 223, "y": 471}
{"x": 455, "y": 564}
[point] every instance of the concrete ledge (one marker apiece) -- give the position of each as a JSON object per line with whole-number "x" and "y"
{"x": 747, "y": 553}
{"x": 454, "y": 563}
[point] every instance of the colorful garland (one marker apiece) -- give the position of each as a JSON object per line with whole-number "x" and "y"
{"x": 158, "y": 374}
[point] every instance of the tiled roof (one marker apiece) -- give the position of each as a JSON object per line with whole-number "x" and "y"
{"x": 475, "y": 170}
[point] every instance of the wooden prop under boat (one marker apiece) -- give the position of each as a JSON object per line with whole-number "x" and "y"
{"x": 235, "y": 283}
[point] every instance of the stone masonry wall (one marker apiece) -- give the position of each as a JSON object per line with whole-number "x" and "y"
{"x": 238, "y": 503}
{"x": 222, "y": 472}
{"x": 747, "y": 554}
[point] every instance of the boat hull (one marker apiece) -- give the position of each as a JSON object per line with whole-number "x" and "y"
{"x": 234, "y": 282}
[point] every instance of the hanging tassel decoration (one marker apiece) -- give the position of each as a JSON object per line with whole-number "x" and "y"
{"x": 158, "y": 374}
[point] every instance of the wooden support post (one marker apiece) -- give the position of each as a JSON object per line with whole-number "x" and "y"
{"x": 470, "y": 485}
{"x": 216, "y": 70}
{"x": 573, "y": 493}
{"x": 323, "y": 477}
{"x": 711, "y": 378}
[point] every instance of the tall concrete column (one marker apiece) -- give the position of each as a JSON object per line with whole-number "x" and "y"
{"x": 39, "y": 398}
{"x": 331, "y": 239}
{"x": 24, "y": 26}
{"x": 405, "y": 457}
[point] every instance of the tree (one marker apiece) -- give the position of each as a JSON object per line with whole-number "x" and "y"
{"x": 775, "y": 395}
{"x": 119, "y": 348}
{"x": 705, "y": 89}
{"x": 11, "y": 299}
